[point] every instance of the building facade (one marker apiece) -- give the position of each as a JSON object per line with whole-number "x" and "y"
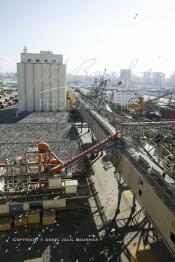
{"x": 158, "y": 78}
{"x": 125, "y": 76}
{"x": 147, "y": 78}
{"x": 41, "y": 82}
{"x": 122, "y": 98}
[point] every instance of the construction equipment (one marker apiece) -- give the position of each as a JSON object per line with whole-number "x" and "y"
{"x": 158, "y": 111}
{"x": 99, "y": 89}
{"x": 70, "y": 100}
{"x": 41, "y": 160}
{"x": 139, "y": 105}
{"x": 149, "y": 105}
{"x": 38, "y": 159}
{"x": 42, "y": 167}
{"x": 161, "y": 96}
{"x": 136, "y": 104}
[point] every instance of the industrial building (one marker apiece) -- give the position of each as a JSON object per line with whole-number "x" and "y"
{"x": 158, "y": 78}
{"x": 89, "y": 175}
{"x": 122, "y": 98}
{"x": 41, "y": 82}
{"x": 125, "y": 76}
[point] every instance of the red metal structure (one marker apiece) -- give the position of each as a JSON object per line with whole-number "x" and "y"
{"x": 57, "y": 169}
{"x": 44, "y": 157}
{"x": 2, "y": 165}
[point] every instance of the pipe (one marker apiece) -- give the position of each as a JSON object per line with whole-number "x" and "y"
{"x": 58, "y": 168}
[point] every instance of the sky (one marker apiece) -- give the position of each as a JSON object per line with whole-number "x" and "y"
{"x": 92, "y": 35}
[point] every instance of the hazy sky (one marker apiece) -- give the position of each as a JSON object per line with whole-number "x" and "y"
{"x": 102, "y": 30}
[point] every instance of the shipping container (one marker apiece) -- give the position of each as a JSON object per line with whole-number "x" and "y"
{"x": 71, "y": 186}
{"x": 25, "y": 206}
{"x": 35, "y": 204}
{"x": 33, "y": 216}
{"x": 5, "y": 223}
{"x": 168, "y": 114}
{"x": 20, "y": 220}
{"x": 55, "y": 182}
{"x": 16, "y": 208}
{"x": 48, "y": 217}
{"x": 4, "y": 209}
{"x": 54, "y": 203}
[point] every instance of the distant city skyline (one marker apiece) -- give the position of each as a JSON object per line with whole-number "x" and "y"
{"x": 92, "y": 35}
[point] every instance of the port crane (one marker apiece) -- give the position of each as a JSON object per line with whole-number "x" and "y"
{"x": 140, "y": 105}
{"x": 150, "y": 102}
{"x": 99, "y": 89}
{"x": 161, "y": 96}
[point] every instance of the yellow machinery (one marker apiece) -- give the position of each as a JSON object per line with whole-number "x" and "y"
{"x": 139, "y": 104}
{"x": 136, "y": 104}
{"x": 70, "y": 100}
{"x": 150, "y": 104}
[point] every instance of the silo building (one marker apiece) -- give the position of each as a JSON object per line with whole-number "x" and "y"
{"x": 41, "y": 82}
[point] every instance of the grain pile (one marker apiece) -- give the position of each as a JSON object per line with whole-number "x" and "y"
{"x": 52, "y": 128}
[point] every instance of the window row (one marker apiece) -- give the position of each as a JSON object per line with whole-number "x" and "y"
{"x": 38, "y": 61}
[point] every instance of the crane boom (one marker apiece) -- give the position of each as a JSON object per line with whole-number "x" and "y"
{"x": 59, "y": 167}
{"x": 161, "y": 96}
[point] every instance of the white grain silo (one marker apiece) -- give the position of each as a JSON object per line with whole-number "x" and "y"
{"x": 21, "y": 69}
{"x": 37, "y": 87}
{"x": 41, "y": 82}
{"x": 54, "y": 87}
{"x": 62, "y": 86}
{"x": 29, "y": 88}
{"x": 46, "y": 88}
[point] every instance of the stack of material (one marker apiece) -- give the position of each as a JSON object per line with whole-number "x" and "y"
{"x": 48, "y": 217}
{"x": 4, "y": 209}
{"x": 20, "y": 220}
{"x": 34, "y": 216}
{"x": 5, "y": 223}
{"x": 54, "y": 129}
{"x": 54, "y": 203}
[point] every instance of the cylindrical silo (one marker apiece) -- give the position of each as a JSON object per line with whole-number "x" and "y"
{"x": 41, "y": 82}
{"x": 62, "y": 87}
{"x": 21, "y": 87}
{"x": 29, "y": 87}
{"x": 54, "y": 87}
{"x": 38, "y": 87}
{"x": 46, "y": 87}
